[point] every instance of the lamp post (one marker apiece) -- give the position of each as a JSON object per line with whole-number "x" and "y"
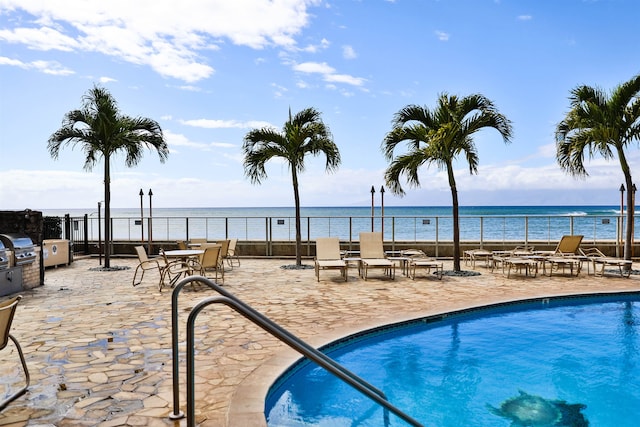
{"x": 141, "y": 218}
{"x": 633, "y": 210}
{"x": 382, "y": 210}
{"x": 373, "y": 190}
{"x": 621, "y": 228}
{"x": 150, "y": 223}
{"x": 99, "y": 234}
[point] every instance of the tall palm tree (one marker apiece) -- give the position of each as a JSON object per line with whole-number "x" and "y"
{"x": 601, "y": 124}
{"x": 302, "y": 134}
{"x": 102, "y": 131}
{"x": 438, "y": 136}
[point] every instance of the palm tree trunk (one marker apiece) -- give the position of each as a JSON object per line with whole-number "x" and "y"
{"x": 628, "y": 249}
{"x": 107, "y": 213}
{"x": 296, "y": 198}
{"x": 456, "y": 219}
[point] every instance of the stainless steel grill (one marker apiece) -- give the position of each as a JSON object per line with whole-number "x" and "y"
{"x": 24, "y": 251}
{"x": 4, "y": 258}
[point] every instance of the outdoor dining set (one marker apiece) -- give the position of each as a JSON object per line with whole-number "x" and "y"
{"x": 198, "y": 256}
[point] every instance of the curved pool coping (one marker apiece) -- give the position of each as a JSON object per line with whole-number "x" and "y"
{"x": 246, "y": 407}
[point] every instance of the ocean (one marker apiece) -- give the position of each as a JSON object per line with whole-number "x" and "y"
{"x": 403, "y": 223}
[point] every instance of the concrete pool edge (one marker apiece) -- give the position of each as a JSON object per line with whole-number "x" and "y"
{"x": 246, "y": 407}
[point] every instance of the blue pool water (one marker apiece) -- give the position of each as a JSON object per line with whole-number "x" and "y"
{"x": 575, "y": 358}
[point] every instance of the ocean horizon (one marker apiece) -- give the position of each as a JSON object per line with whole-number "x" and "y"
{"x": 338, "y": 211}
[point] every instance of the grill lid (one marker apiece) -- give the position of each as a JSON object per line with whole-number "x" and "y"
{"x": 16, "y": 240}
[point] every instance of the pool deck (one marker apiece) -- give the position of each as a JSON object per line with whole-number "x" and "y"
{"x": 99, "y": 350}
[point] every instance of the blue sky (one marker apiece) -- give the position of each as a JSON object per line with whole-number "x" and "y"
{"x": 209, "y": 71}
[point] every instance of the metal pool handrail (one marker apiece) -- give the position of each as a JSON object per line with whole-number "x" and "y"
{"x": 177, "y": 414}
{"x": 276, "y": 330}
{"x": 297, "y": 344}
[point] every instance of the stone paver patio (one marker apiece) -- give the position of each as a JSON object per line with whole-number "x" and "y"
{"x": 99, "y": 350}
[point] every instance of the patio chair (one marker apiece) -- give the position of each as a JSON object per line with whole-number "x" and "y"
{"x": 211, "y": 260}
{"x": 174, "y": 270}
{"x": 372, "y": 255}
{"x": 7, "y": 311}
{"x": 328, "y": 257}
{"x": 596, "y": 257}
{"x": 145, "y": 263}
{"x": 224, "y": 249}
{"x": 232, "y": 253}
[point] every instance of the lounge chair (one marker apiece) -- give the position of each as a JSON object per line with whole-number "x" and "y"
{"x": 568, "y": 245}
{"x": 597, "y": 258}
{"x": 145, "y": 264}
{"x": 416, "y": 259}
{"x": 473, "y": 255}
{"x": 7, "y": 311}
{"x": 372, "y": 255}
{"x": 566, "y": 255}
{"x": 328, "y": 257}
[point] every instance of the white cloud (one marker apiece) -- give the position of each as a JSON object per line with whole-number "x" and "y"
{"x": 324, "y": 44}
{"x": 328, "y": 73}
{"x": 314, "y": 67}
{"x": 179, "y": 140}
{"x": 344, "y": 78}
{"x": 106, "y": 80}
{"x": 224, "y": 124}
{"x": 442, "y": 36}
{"x": 525, "y": 17}
{"x": 348, "y": 52}
{"x": 47, "y": 67}
{"x": 156, "y": 33}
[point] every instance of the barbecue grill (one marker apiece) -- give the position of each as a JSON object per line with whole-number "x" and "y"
{"x": 24, "y": 251}
{"x": 4, "y": 258}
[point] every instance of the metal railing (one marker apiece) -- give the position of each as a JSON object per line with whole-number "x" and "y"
{"x": 269, "y": 326}
{"x": 482, "y": 229}
{"x": 473, "y": 228}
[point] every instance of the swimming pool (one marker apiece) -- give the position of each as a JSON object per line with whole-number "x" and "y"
{"x": 570, "y": 362}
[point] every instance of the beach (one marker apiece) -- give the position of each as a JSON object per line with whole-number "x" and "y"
{"x": 99, "y": 350}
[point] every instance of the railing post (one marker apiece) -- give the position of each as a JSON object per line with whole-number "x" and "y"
{"x": 437, "y": 234}
{"x": 86, "y": 234}
{"x": 393, "y": 233}
{"x": 308, "y": 236}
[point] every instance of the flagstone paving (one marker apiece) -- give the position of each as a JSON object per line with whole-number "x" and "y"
{"x": 99, "y": 350}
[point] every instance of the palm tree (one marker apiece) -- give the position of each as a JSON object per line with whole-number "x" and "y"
{"x": 601, "y": 124}
{"x": 102, "y": 131}
{"x": 302, "y": 134}
{"x": 439, "y": 136}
